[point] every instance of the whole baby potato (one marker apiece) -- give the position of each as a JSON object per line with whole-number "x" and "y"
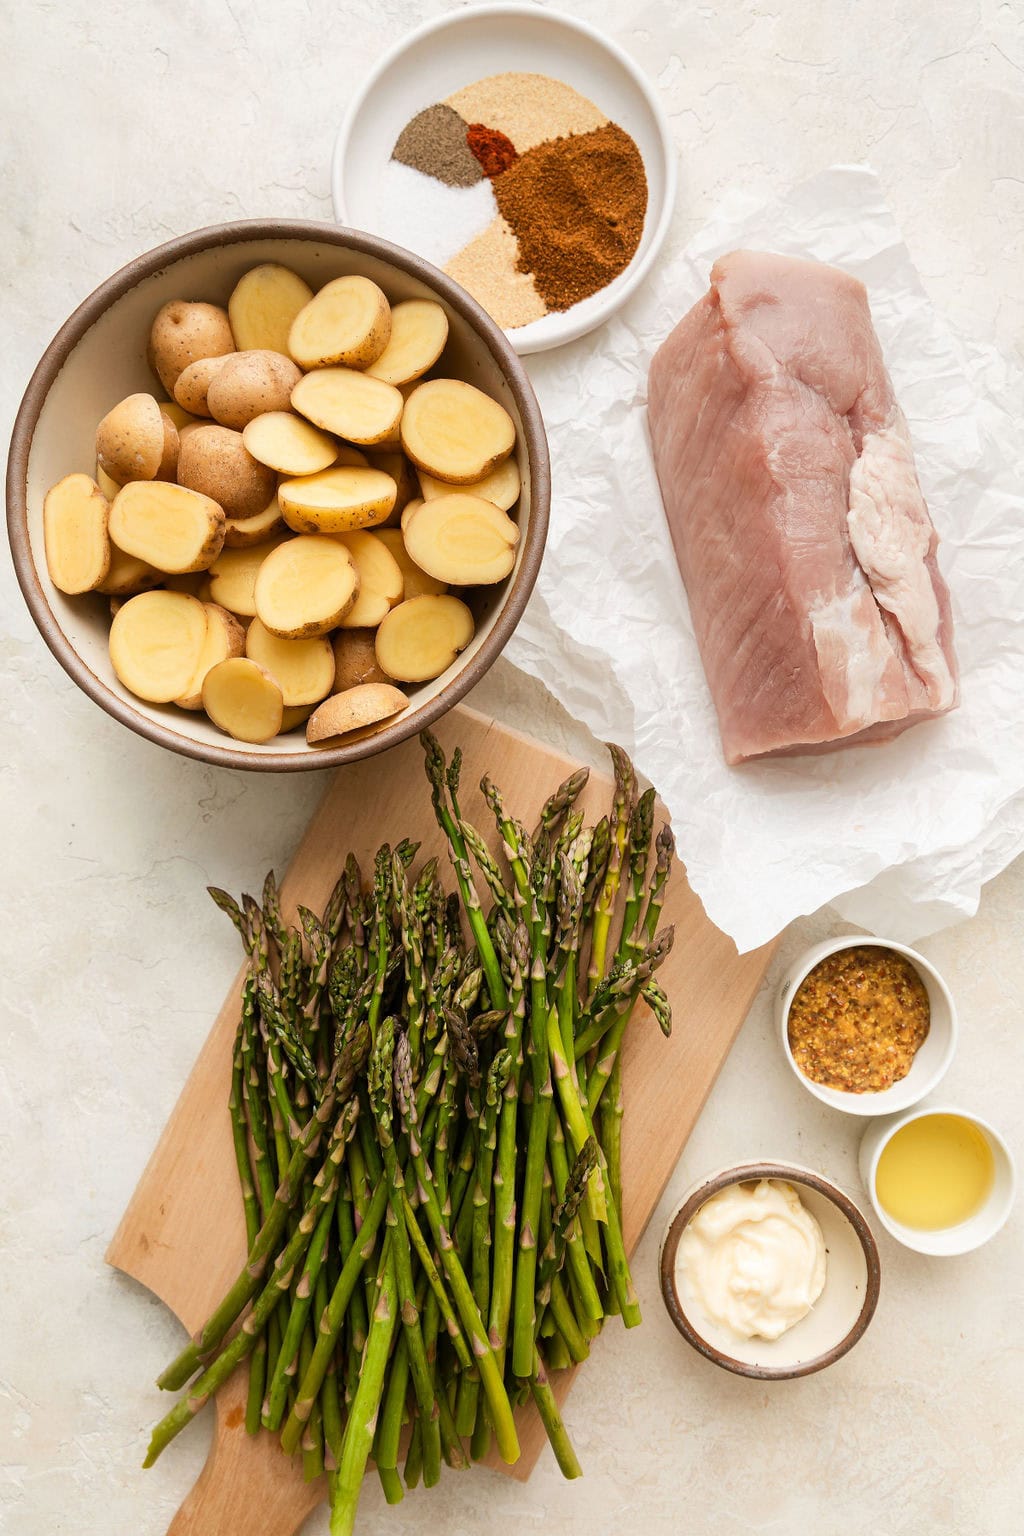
{"x": 193, "y": 383}
{"x": 215, "y": 461}
{"x": 133, "y": 440}
{"x": 183, "y": 332}
{"x": 250, "y": 384}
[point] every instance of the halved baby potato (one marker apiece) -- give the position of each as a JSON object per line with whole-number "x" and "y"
{"x": 76, "y": 517}
{"x": 302, "y": 669}
{"x": 419, "y": 330}
{"x": 410, "y": 509}
{"x": 264, "y": 304}
{"x": 224, "y": 637}
{"x": 415, "y": 582}
{"x": 156, "y": 640}
{"x": 462, "y": 540}
{"x": 215, "y": 461}
{"x": 348, "y": 457}
{"x": 294, "y": 716}
{"x": 454, "y": 431}
{"x": 243, "y": 699}
{"x": 337, "y": 500}
{"x": 405, "y": 476}
{"x": 348, "y": 321}
{"x": 305, "y": 587}
{"x": 355, "y": 659}
{"x": 130, "y": 440}
{"x": 355, "y": 710}
{"x": 250, "y": 384}
{"x": 349, "y": 404}
{"x": 184, "y": 331}
{"x": 501, "y": 486}
{"x": 233, "y": 576}
{"x": 240, "y": 533}
{"x": 128, "y": 575}
{"x": 422, "y": 637}
{"x": 192, "y": 386}
{"x": 381, "y": 584}
{"x": 169, "y": 526}
{"x": 289, "y": 444}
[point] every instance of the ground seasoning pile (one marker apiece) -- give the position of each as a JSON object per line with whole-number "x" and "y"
{"x": 559, "y": 192}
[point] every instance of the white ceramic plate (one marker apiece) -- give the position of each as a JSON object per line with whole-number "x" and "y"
{"x": 457, "y": 49}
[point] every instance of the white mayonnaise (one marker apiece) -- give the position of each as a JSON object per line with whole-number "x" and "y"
{"x": 753, "y": 1259}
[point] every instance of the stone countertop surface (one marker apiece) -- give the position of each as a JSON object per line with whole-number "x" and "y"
{"x": 124, "y": 125}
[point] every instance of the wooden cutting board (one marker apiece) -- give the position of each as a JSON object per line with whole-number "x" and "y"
{"x": 183, "y": 1234}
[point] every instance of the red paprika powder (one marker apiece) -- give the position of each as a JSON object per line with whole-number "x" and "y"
{"x": 494, "y": 151}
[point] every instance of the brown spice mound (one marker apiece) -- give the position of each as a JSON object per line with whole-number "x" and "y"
{"x": 576, "y": 207}
{"x": 434, "y": 142}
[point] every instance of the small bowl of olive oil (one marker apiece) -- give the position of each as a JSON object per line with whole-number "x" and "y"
{"x": 940, "y": 1179}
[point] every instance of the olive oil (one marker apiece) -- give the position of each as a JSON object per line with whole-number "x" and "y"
{"x": 936, "y": 1172}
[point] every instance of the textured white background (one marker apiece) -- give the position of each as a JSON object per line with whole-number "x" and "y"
{"x": 126, "y": 124}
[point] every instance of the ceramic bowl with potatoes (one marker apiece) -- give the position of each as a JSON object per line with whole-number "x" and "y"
{"x": 278, "y": 494}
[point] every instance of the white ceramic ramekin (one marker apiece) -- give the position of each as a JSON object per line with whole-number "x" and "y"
{"x": 966, "y": 1235}
{"x": 932, "y": 1060}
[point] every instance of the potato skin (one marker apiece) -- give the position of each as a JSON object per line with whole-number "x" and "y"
{"x": 355, "y": 659}
{"x": 193, "y": 383}
{"x": 130, "y": 440}
{"x": 182, "y": 332}
{"x": 250, "y": 384}
{"x": 215, "y": 461}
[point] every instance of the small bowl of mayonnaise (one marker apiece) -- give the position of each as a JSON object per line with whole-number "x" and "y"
{"x": 769, "y": 1270}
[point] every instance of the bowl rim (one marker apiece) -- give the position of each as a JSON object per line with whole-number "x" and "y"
{"x": 929, "y": 1241}
{"x": 637, "y": 270}
{"x": 863, "y": 1105}
{"x": 792, "y": 1173}
{"x": 238, "y": 232}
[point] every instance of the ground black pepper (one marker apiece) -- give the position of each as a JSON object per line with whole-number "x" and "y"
{"x": 434, "y": 142}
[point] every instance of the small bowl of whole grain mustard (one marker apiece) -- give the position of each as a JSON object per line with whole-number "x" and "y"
{"x": 867, "y": 1025}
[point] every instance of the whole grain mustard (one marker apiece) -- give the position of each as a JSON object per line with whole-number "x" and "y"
{"x": 858, "y": 1019}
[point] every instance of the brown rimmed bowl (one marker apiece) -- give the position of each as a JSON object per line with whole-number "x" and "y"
{"x": 838, "y": 1318}
{"x": 99, "y": 356}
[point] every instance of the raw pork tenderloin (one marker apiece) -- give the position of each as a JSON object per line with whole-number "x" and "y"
{"x": 803, "y": 538}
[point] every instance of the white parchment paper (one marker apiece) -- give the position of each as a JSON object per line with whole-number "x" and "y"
{"x": 900, "y": 837}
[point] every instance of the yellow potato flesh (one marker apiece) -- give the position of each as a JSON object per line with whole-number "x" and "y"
{"x": 462, "y": 540}
{"x": 289, "y": 444}
{"x": 415, "y": 582}
{"x": 501, "y": 486}
{"x": 454, "y": 431}
{"x": 76, "y": 516}
{"x": 240, "y": 533}
{"x": 263, "y": 307}
{"x": 421, "y": 638}
{"x": 224, "y": 637}
{"x": 156, "y": 640}
{"x": 173, "y": 528}
{"x": 233, "y": 577}
{"x": 302, "y": 669}
{"x": 349, "y": 404}
{"x": 128, "y": 575}
{"x": 305, "y": 587}
{"x": 419, "y": 330}
{"x": 348, "y": 321}
{"x": 381, "y": 584}
{"x": 243, "y": 699}
{"x": 337, "y": 500}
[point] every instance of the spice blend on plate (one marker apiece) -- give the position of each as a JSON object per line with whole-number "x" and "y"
{"x": 858, "y": 1020}
{"x": 559, "y": 191}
